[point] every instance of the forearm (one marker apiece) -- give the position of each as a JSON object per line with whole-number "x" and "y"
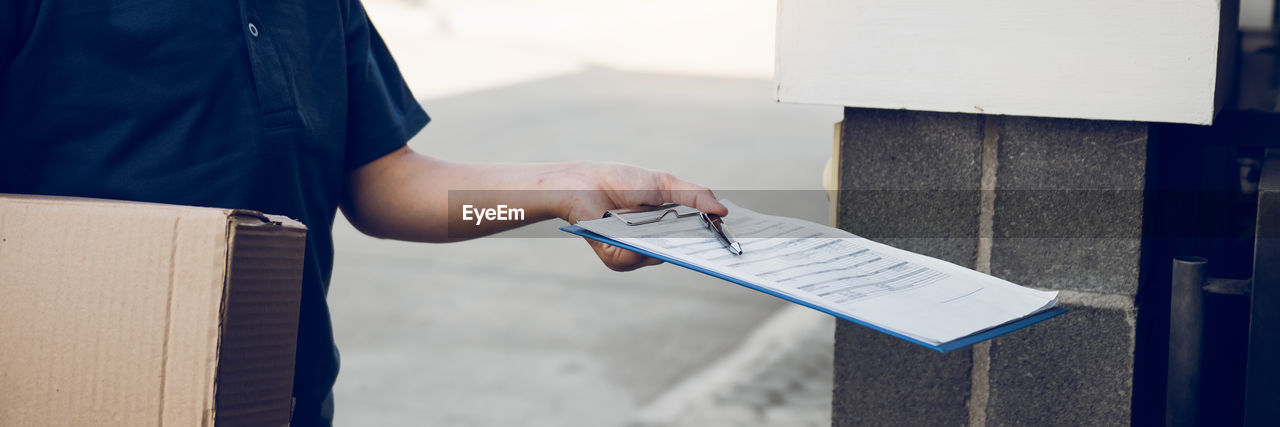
{"x": 406, "y": 196}
{"x": 409, "y": 196}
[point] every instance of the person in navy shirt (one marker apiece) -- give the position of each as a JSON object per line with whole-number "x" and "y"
{"x": 290, "y": 107}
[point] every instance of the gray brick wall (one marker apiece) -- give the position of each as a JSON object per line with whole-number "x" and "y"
{"x": 1068, "y": 209}
{"x": 1067, "y": 215}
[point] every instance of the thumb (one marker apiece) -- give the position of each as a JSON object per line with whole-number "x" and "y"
{"x": 695, "y": 196}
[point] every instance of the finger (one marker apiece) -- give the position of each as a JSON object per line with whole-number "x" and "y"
{"x": 648, "y": 261}
{"x": 694, "y": 195}
{"x": 618, "y": 259}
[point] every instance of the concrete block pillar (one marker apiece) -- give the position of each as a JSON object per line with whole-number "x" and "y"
{"x": 1047, "y": 203}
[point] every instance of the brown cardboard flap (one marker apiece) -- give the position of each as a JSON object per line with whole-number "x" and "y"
{"x": 260, "y": 322}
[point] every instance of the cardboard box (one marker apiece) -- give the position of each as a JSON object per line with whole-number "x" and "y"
{"x": 135, "y": 314}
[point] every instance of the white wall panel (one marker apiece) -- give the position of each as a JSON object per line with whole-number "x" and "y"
{"x": 1143, "y": 60}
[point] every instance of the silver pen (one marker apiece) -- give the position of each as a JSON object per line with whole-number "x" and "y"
{"x": 723, "y": 234}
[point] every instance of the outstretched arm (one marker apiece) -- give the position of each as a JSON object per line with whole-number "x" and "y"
{"x": 405, "y": 195}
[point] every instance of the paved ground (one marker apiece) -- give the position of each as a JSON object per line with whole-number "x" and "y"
{"x": 780, "y": 376}
{"x": 534, "y": 331}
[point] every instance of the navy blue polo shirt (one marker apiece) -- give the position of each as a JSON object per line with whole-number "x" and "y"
{"x": 255, "y": 104}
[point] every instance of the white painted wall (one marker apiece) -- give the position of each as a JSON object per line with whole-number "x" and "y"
{"x": 1143, "y": 60}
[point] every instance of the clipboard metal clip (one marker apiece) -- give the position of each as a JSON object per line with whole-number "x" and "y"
{"x": 648, "y": 214}
{"x": 628, "y": 215}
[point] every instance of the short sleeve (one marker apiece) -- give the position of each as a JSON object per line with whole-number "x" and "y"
{"x": 382, "y": 114}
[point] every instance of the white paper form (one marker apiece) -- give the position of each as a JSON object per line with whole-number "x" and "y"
{"x": 911, "y": 294}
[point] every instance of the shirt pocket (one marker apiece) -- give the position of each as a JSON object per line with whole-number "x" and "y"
{"x": 272, "y": 76}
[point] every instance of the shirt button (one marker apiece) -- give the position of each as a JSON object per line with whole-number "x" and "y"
{"x": 253, "y": 29}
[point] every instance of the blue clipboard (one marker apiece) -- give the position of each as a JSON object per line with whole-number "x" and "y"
{"x": 942, "y": 348}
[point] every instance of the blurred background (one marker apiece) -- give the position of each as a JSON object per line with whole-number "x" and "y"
{"x": 535, "y": 331}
